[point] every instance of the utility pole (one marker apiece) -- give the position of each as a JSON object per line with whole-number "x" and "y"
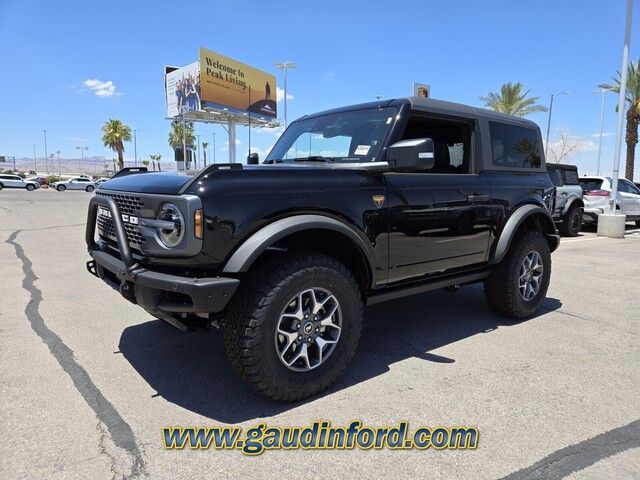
{"x": 135, "y": 148}
{"x": 546, "y": 147}
{"x": 46, "y": 163}
{"x": 59, "y": 169}
{"x": 35, "y": 162}
{"x": 82, "y": 149}
{"x": 285, "y": 66}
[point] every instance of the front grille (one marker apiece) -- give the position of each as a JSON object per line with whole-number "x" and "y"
{"x": 128, "y": 205}
{"x": 107, "y": 229}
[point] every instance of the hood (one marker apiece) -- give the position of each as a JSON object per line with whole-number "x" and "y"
{"x": 168, "y": 183}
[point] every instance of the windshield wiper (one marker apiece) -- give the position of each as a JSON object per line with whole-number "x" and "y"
{"x": 313, "y": 158}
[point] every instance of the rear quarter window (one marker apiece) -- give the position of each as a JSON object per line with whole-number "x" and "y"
{"x": 571, "y": 177}
{"x": 555, "y": 175}
{"x": 590, "y": 184}
{"x": 514, "y": 147}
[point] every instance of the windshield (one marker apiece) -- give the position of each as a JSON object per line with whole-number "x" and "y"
{"x": 354, "y": 136}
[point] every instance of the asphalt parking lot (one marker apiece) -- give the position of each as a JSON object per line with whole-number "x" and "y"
{"x": 87, "y": 380}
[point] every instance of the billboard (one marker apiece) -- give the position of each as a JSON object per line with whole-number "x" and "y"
{"x": 421, "y": 90}
{"x": 182, "y": 88}
{"x": 227, "y": 83}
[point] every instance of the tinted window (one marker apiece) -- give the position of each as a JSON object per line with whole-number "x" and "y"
{"x": 571, "y": 177}
{"x": 515, "y": 147}
{"x": 590, "y": 184}
{"x": 632, "y": 188}
{"x": 623, "y": 187}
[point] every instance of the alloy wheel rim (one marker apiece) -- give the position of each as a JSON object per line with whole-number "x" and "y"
{"x": 308, "y": 329}
{"x": 530, "y": 275}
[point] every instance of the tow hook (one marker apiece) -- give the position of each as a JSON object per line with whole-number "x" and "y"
{"x": 127, "y": 291}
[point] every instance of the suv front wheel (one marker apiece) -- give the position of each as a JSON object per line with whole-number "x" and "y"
{"x": 518, "y": 285}
{"x": 294, "y": 325}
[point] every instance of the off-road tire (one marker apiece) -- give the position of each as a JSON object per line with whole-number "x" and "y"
{"x": 501, "y": 287}
{"x": 90, "y": 188}
{"x": 61, "y": 188}
{"x": 638, "y": 223}
{"x": 572, "y": 222}
{"x": 250, "y": 325}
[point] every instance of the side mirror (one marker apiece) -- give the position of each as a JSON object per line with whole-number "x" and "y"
{"x": 412, "y": 155}
{"x": 253, "y": 159}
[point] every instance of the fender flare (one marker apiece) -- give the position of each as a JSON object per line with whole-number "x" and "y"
{"x": 571, "y": 203}
{"x": 258, "y": 242}
{"x": 513, "y": 223}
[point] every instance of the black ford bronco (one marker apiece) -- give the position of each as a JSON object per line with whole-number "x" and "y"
{"x": 352, "y": 206}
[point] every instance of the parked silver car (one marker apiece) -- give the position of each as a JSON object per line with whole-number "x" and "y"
{"x": 76, "y": 183}
{"x": 15, "y": 181}
{"x": 597, "y": 194}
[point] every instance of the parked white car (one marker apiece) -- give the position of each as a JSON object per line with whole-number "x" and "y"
{"x": 597, "y": 193}
{"x": 15, "y": 181}
{"x": 76, "y": 183}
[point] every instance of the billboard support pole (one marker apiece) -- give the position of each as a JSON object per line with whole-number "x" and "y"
{"x": 184, "y": 143}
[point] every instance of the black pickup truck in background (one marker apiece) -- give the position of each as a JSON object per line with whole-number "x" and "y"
{"x": 352, "y": 206}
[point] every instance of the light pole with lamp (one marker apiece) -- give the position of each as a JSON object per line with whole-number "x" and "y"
{"x": 214, "y": 147}
{"x": 285, "y": 66}
{"x": 602, "y": 89}
{"x": 35, "y": 163}
{"x": 135, "y": 147}
{"x": 59, "y": 169}
{"x": 546, "y": 147}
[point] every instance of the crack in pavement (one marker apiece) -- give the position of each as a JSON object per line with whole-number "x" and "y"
{"x": 577, "y": 457}
{"x": 52, "y": 227}
{"x": 120, "y": 432}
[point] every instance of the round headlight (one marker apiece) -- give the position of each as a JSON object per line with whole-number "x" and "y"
{"x": 171, "y": 237}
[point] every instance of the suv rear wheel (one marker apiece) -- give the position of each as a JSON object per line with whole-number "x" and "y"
{"x": 518, "y": 285}
{"x": 61, "y": 188}
{"x": 294, "y": 325}
{"x": 572, "y": 222}
{"x": 31, "y": 187}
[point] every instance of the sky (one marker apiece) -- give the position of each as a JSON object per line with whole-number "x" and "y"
{"x": 70, "y": 66}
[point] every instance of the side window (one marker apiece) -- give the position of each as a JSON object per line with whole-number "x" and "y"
{"x": 514, "y": 147}
{"x": 623, "y": 187}
{"x": 571, "y": 177}
{"x": 633, "y": 189}
{"x": 555, "y": 175}
{"x": 451, "y": 140}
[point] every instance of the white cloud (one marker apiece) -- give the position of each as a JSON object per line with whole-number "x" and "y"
{"x": 100, "y": 88}
{"x": 280, "y": 95}
{"x": 604, "y": 134}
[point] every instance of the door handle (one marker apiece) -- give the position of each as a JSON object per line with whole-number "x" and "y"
{"x": 478, "y": 198}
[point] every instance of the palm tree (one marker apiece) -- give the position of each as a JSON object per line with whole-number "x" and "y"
{"x": 204, "y": 152}
{"x": 145, "y": 163}
{"x": 114, "y": 133}
{"x": 633, "y": 113}
{"x": 512, "y": 100}
{"x": 156, "y": 158}
{"x": 178, "y": 131}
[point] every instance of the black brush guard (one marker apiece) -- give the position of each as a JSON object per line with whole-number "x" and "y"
{"x": 157, "y": 292}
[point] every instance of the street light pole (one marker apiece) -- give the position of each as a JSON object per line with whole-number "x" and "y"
{"x": 35, "y": 162}
{"x": 621, "y": 102}
{"x": 285, "y": 66}
{"x": 603, "y": 91}
{"x": 82, "y": 149}
{"x": 46, "y": 163}
{"x": 59, "y": 169}
{"x": 214, "y": 147}
{"x": 546, "y": 147}
{"x": 135, "y": 148}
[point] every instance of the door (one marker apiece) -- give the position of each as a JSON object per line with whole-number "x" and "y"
{"x": 632, "y": 195}
{"x": 440, "y": 218}
{"x": 626, "y": 198}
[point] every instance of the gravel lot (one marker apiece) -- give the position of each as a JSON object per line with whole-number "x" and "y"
{"x": 87, "y": 380}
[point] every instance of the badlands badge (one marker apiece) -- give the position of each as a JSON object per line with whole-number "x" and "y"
{"x": 378, "y": 200}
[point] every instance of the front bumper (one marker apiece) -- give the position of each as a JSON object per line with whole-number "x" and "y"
{"x": 157, "y": 292}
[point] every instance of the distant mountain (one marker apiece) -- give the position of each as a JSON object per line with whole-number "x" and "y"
{"x": 95, "y": 165}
